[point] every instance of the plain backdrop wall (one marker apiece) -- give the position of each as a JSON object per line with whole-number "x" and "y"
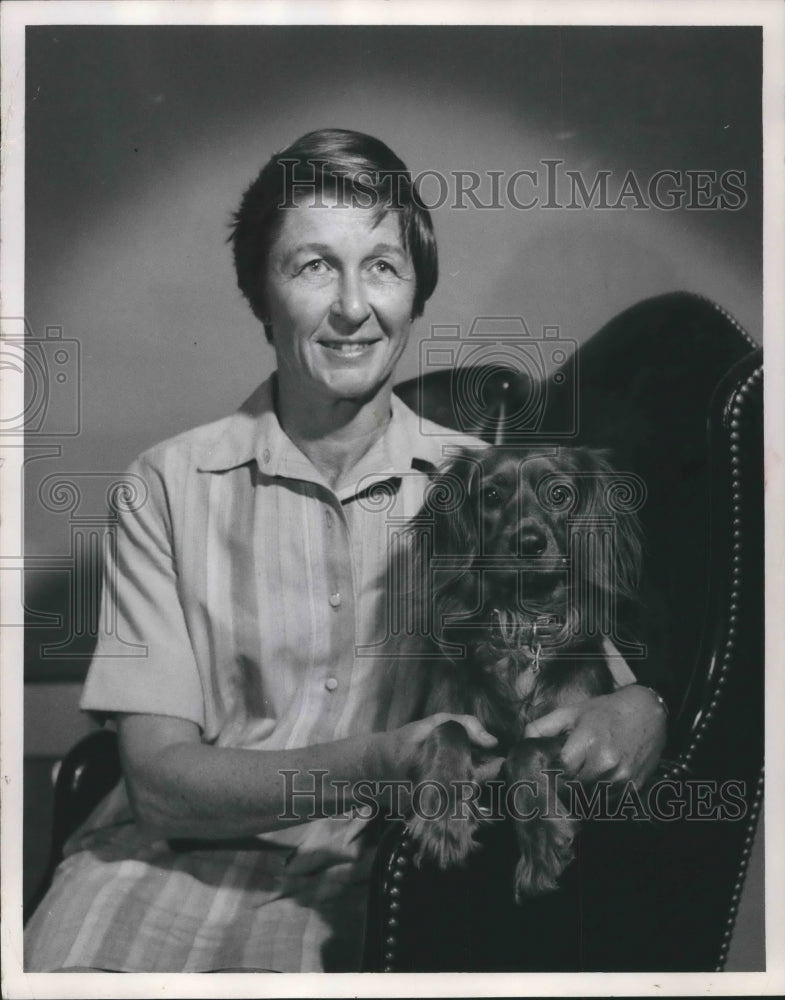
{"x": 140, "y": 141}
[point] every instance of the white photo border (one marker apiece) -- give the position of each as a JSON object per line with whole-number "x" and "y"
{"x": 14, "y": 16}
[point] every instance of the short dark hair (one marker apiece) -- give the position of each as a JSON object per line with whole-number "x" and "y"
{"x": 357, "y": 167}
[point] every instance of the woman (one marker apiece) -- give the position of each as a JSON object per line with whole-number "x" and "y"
{"x": 253, "y": 574}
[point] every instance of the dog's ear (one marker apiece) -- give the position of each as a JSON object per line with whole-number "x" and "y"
{"x": 629, "y": 553}
{"x": 451, "y": 505}
{"x": 606, "y": 494}
{"x": 447, "y": 526}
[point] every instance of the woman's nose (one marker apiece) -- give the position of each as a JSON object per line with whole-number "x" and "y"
{"x": 351, "y": 303}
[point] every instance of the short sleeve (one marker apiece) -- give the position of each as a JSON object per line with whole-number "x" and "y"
{"x": 144, "y": 661}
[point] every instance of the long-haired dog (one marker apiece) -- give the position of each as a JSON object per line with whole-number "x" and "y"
{"x": 528, "y": 559}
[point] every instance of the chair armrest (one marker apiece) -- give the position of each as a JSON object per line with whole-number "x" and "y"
{"x": 87, "y": 773}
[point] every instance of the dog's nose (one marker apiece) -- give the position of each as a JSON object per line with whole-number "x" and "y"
{"x": 529, "y": 541}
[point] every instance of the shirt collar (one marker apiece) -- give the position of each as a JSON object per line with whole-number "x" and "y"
{"x": 254, "y": 433}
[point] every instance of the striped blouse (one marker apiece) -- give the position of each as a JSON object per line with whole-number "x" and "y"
{"x": 246, "y": 595}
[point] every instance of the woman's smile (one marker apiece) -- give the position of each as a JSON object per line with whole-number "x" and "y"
{"x": 349, "y": 349}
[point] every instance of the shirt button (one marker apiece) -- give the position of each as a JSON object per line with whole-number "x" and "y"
{"x": 335, "y": 600}
{"x": 266, "y": 456}
{"x": 331, "y": 683}
{"x": 328, "y": 516}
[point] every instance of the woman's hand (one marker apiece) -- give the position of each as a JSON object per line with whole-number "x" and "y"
{"x": 618, "y": 737}
{"x": 391, "y": 756}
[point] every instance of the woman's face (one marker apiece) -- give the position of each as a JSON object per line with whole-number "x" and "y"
{"x": 340, "y": 292}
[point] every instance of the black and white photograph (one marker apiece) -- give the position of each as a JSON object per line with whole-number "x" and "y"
{"x": 391, "y": 544}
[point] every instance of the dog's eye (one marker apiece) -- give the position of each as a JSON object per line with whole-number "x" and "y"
{"x": 491, "y": 497}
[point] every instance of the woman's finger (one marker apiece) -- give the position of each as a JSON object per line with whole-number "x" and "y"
{"x": 574, "y": 753}
{"x": 559, "y": 721}
{"x": 477, "y": 733}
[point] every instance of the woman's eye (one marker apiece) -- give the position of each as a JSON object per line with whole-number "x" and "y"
{"x": 315, "y": 266}
{"x": 383, "y": 267}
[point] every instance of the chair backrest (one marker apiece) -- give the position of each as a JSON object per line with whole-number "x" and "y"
{"x": 673, "y": 388}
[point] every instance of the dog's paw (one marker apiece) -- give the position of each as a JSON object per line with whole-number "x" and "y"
{"x": 442, "y": 828}
{"x": 546, "y": 847}
{"x": 446, "y": 841}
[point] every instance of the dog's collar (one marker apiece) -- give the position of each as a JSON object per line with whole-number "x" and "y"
{"x": 532, "y": 629}
{"x": 525, "y": 635}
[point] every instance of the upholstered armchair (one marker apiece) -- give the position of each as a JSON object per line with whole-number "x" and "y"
{"x": 673, "y": 387}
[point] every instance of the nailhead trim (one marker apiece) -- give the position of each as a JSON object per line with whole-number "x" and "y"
{"x": 733, "y": 604}
{"x": 731, "y": 319}
{"x": 392, "y": 893}
{"x": 730, "y": 642}
{"x": 674, "y": 768}
{"x": 742, "y": 874}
